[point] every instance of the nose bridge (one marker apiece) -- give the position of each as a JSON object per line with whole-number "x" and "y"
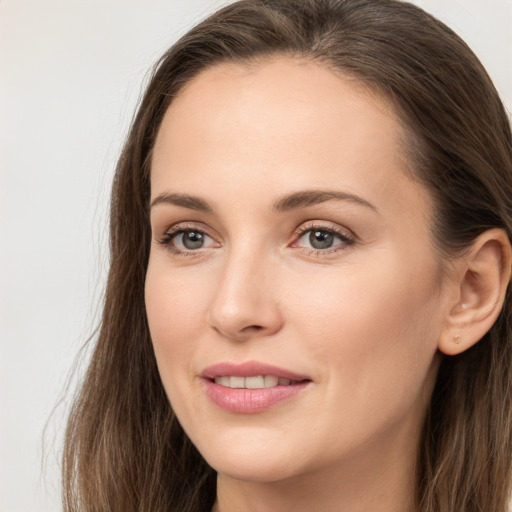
{"x": 244, "y": 304}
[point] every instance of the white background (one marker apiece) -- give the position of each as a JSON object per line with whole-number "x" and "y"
{"x": 70, "y": 75}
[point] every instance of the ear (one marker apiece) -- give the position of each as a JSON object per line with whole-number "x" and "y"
{"x": 479, "y": 283}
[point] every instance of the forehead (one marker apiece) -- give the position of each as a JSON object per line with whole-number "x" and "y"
{"x": 279, "y": 99}
{"x": 280, "y": 124}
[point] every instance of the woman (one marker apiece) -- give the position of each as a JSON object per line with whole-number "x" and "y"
{"x": 307, "y": 304}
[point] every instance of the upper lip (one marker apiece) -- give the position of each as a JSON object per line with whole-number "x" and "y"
{"x": 249, "y": 369}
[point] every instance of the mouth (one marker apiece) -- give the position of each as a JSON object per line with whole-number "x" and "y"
{"x": 254, "y": 382}
{"x": 251, "y": 387}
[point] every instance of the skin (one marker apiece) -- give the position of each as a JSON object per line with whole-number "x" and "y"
{"x": 362, "y": 319}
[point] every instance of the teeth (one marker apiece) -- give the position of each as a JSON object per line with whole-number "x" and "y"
{"x": 271, "y": 381}
{"x": 255, "y": 382}
{"x": 223, "y": 381}
{"x": 236, "y": 382}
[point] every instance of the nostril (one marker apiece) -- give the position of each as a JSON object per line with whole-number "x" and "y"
{"x": 254, "y": 327}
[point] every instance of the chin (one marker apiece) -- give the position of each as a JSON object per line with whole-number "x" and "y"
{"x": 258, "y": 461}
{"x": 259, "y": 471}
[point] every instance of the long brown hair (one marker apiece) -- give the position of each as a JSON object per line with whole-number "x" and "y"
{"x": 124, "y": 449}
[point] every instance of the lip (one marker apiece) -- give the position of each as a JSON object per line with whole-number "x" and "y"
{"x": 249, "y": 369}
{"x": 250, "y": 401}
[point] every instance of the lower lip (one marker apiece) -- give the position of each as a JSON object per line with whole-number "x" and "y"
{"x": 250, "y": 401}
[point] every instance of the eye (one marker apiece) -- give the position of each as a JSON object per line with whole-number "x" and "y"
{"x": 191, "y": 240}
{"x": 182, "y": 240}
{"x": 322, "y": 239}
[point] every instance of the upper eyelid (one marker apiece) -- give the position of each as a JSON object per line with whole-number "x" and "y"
{"x": 164, "y": 235}
{"x": 188, "y": 226}
{"x": 328, "y": 226}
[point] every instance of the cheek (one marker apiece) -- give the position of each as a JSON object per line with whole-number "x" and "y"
{"x": 361, "y": 305}
{"x": 176, "y": 306}
{"x": 375, "y": 330}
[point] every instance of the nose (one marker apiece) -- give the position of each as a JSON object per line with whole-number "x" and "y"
{"x": 246, "y": 303}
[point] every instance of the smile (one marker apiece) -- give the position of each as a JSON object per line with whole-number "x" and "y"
{"x": 251, "y": 387}
{"x": 257, "y": 382}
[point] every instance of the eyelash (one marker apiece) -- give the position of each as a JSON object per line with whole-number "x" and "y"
{"x": 173, "y": 232}
{"x": 346, "y": 238}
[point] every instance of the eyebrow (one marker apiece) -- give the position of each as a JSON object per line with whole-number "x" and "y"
{"x": 183, "y": 200}
{"x": 286, "y": 203}
{"x": 312, "y": 197}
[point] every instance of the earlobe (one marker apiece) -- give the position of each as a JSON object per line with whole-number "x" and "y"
{"x": 481, "y": 277}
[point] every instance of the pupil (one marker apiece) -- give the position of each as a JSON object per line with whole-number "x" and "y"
{"x": 321, "y": 239}
{"x": 193, "y": 240}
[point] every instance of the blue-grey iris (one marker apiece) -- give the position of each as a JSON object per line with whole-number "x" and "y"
{"x": 321, "y": 239}
{"x": 193, "y": 240}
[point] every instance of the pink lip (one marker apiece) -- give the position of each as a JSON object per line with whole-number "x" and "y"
{"x": 249, "y": 369}
{"x": 250, "y": 401}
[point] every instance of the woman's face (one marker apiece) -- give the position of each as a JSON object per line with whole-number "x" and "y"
{"x": 291, "y": 249}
